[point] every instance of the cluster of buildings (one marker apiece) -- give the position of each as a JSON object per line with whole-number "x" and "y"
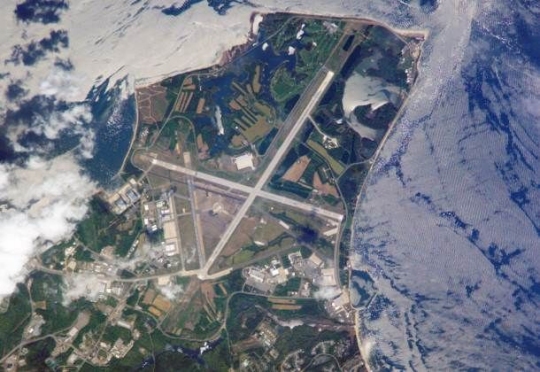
{"x": 265, "y": 278}
{"x": 314, "y": 271}
{"x": 318, "y": 279}
{"x": 159, "y": 216}
{"x": 266, "y": 334}
{"x": 92, "y": 346}
{"x": 124, "y": 197}
{"x": 155, "y": 214}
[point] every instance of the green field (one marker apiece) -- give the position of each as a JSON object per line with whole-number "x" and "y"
{"x": 13, "y": 321}
{"x": 336, "y": 166}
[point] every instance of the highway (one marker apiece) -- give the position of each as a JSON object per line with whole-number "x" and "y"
{"x": 298, "y": 123}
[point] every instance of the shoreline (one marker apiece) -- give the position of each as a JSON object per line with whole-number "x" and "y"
{"x": 236, "y": 51}
{"x": 422, "y": 34}
{"x": 391, "y": 128}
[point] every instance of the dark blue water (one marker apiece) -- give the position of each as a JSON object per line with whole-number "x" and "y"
{"x": 221, "y": 90}
{"x": 113, "y": 123}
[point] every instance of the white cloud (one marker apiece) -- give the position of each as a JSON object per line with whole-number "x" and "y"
{"x": 45, "y": 200}
{"x": 327, "y": 293}
{"x": 172, "y": 291}
{"x": 61, "y": 84}
{"x": 82, "y": 285}
{"x": 71, "y": 120}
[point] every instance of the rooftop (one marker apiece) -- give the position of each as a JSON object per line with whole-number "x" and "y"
{"x": 244, "y": 161}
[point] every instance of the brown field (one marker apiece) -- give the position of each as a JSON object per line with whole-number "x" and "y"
{"x": 258, "y": 130}
{"x": 324, "y": 188}
{"x": 276, "y": 300}
{"x": 201, "y": 145}
{"x": 263, "y": 109}
{"x": 241, "y": 101}
{"x": 240, "y": 238}
{"x": 200, "y": 105}
{"x": 183, "y": 101}
{"x": 149, "y": 297}
{"x": 155, "y": 311}
{"x": 162, "y": 303}
{"x": 237, "y": 141}
{"x": 209, "y": 294}
{"x": 178, "y": 148}
{"x": 286, "y": 307}
{"x": 245, "y": 345}
{"x": 235, "y": 105}
{"x": 295, "y": 171}
{"x": 151, "y": 103}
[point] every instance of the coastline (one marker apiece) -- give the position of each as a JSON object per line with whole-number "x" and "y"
{"x": 223, "y": 60}
{"x": 391, "y": 129}
{"x": 238, "y": 50}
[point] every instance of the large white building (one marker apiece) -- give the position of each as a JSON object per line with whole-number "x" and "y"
{"x": 244, "y": 161}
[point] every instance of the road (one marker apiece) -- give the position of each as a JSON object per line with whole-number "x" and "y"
{"x": 249, "y": 190}
{"x": 195, "y": 214}
{"x": 294, "y": 117}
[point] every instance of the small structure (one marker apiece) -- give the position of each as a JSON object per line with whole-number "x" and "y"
{"x": 327, "y": 278}
{"x": 315, "y": 260}
{"x": 244, "y": 161}
{"x": 170, "y": 250}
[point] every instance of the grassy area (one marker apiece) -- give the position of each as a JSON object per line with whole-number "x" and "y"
{"x": 317, "y": 34}
{"x": 95, "y": 325}
{"x": 54, "y": 256}
{"x": 242, "y": 256}
{"x": 336, "y": 166}
{"x": 113, "y": 333}
{"x": 350, "y": 183}
{"x": 47, "y": 289}
{"x": 14, "y": 319}
{"x": 125, "y": 239}
{"x": 292, "y": 284}
{"x": 284, "y": 86}
{"x": 169, "y": 134}
{"x": 92, "y": 231}
{"x": 37, "y": 354}
{"x": 268, "y": 231}
{"x": 188, "y": 242}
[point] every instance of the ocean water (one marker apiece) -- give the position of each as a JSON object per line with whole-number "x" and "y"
{"x": 448, "y": 228}
{"x": 114, "y": 116}
{"x": 446, "y": 245}
{"x": 446, "y": 250}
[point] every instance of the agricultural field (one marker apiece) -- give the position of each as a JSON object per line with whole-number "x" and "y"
{"x": 235, "y": 220}
{"x": 333, "y": 152}
{"x": 221, "y": 113}
{"x": 309, "y": 172}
